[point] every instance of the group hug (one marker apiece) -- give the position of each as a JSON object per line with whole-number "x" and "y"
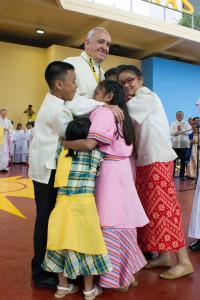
{"x": 102, "y": 169}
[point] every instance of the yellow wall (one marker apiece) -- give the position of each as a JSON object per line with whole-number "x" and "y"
{"x": 22, "y": 75}
{"x": 21, "y": 79}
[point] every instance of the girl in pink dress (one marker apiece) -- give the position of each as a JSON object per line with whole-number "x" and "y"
{"x": 119, "y": 207}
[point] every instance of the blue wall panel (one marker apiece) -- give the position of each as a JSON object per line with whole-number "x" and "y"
{"x": 176, "y": 83}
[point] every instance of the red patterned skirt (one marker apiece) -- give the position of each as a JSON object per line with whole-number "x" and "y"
{"x": 157, "y": 193}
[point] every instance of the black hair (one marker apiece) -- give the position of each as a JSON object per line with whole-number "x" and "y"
{"x": 56, "y": 70}
{"x": 110, "y": 72}
{"x": 19, "y": 124}
{"x": 195, "y": 118}
{"x": 77, "y": 129}
{"x": 132, "y": 68}
{"x": 110, "y": 86}
{"x": 179, "y": 111}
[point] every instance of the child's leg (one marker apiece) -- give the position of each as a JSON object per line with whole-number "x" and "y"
{"x": 64, "y": 287}
{"x": 88, "y": 282}
{"x": 62, "y": 282}
{"x": 91, "y": 291}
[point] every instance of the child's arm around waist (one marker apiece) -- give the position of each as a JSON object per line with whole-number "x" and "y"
{"x": 80, "y": 145}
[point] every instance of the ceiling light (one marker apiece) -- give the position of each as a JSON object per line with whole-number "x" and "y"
{"x": 40, "y": 31}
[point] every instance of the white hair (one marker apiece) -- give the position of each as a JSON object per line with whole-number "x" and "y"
{"x": 92, "y": 31}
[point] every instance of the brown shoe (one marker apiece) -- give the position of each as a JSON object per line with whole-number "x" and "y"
{"x": 121, "y": 289}
{"x": 134, "y": 283}
{"x": 167, "y": 275}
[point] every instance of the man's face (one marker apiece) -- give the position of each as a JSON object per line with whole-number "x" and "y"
{"x": 3, "y": 113}
{"x": 28, "y": 126}
{"x": 179, "y": 116}
{"x": 98, "y": 45}
{"x": 197, "y": 121}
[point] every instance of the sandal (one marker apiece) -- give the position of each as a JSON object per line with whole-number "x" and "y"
{"x": 69, "y": 290}
{"x": 90, "y": 295}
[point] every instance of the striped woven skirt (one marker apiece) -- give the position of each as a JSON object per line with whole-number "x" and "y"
{"x": 125, "y": 256}
{"x": 157, "y": 193}
{"x": 73, "y": 263}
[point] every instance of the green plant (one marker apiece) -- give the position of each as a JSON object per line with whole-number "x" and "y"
{"x": 187, "y": 21}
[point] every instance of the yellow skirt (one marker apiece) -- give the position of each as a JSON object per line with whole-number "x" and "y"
{"x": 74, "y": 225}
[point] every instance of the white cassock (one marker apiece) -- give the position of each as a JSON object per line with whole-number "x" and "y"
{"x": 194, "y": 227}
{"x": 5, "y": 146}
{"x": 25, "y": 144}
{"x": 17, "y": 140}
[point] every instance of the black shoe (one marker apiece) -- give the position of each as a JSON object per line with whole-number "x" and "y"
{"x": 182, "y": 178}
{"x": 195, "y": 245}
{"x": 49, "y": 282}
{"x": 150, "y": 255}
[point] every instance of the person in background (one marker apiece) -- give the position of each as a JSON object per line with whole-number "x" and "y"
{"x": 1, "y": 135}
{"x": 180, "y": 131}
{"x": 194, "y": 226}
{"x": 196, "y": 120}
{"x": 27, "y": 135}
{"x": 16, "y": 144}
{"x": 191, "y": 170}
{"x": 190, "y": 121}
{"x": 73, "y": 248}
{"x": 6, "y": 128}
{"x": 115, "y": 187}
{"x": 154, "y": 181}
{"x": 30, "y": 114}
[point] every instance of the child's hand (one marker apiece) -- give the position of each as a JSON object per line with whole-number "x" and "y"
{"x": 64, "y": 143}
{"x": 117, "y": 112}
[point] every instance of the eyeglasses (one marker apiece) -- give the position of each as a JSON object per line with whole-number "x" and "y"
{"x": 128, "y": 81}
